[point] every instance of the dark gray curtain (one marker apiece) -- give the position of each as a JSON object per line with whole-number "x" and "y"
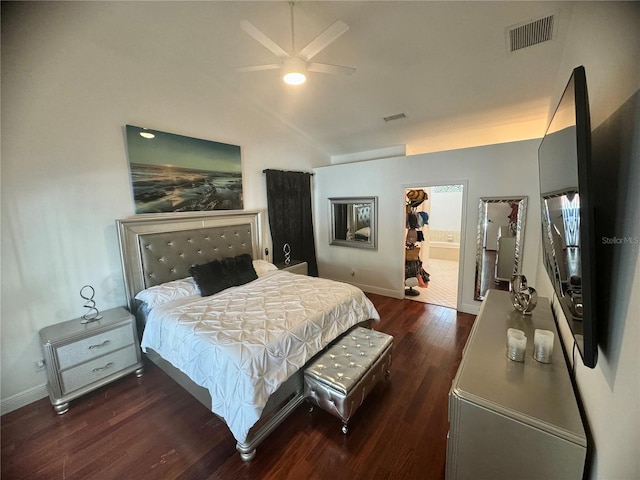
{"x": 290, "y": 220}
{"x": 340, "y": 213}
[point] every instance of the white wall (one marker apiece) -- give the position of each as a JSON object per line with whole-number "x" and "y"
{"x": 65, "y": 179}
{"x": 604, "y": 38}
{"x": 495, "y": 170}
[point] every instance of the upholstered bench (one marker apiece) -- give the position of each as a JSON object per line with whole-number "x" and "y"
{"x": 339, "y": 380}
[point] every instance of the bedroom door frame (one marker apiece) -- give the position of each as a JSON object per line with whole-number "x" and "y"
{"x": 463, "y": 223}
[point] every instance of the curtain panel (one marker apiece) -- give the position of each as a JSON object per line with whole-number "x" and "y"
{"x": 290, "y": 218}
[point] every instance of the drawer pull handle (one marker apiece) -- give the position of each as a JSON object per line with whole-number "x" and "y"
{"x": 106, "y": 367}
{"x": 100, "y": 345}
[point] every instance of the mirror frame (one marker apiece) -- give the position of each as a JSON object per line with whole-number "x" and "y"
{"x": 519, "y": 244}
{"x": 372, "y": 203}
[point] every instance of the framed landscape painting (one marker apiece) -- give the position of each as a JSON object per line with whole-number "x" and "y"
{"x": 174, "y": 173}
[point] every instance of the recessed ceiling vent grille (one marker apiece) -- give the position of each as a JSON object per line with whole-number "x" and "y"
{"x": 397, "y": 116}
{"x": 531, "y": 33}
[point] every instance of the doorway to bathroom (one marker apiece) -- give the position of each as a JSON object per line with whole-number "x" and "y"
{"x": 432, "y": 243}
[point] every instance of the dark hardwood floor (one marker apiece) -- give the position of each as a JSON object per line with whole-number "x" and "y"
{"x": 149, "y": 428}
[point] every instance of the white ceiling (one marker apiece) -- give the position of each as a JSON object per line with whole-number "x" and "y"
{"x": 445, "y": 65}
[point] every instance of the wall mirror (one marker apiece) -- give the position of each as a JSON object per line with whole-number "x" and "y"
{"x": 353, "y": 222}
{"x": 501, "y": 222}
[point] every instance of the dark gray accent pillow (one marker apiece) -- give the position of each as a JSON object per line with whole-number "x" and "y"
{"x": 218, "y": 275}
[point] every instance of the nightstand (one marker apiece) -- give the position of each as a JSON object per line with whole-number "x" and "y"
{"x": 295, "y": 266}
{"x": 83, "y": 357}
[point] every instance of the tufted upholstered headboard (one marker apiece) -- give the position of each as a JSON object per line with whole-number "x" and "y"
{"x": 363, "y": 216}
{"x": 158, "y": 248}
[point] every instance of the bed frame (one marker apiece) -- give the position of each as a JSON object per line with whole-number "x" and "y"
{"x": 158, "y": 248}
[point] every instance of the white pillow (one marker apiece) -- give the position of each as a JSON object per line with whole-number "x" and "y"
{"x": 166, "y": 292}
{"x": 262, "y": 267}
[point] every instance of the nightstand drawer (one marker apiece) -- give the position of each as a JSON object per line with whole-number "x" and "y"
{"x": 93, "y": 347}
{"x": 97, "y": 369}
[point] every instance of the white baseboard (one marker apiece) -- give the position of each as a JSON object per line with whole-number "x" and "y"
{"x": 24, "y": 398}
{"x": 386, "y": 292}
{"x": 472, "y": 308}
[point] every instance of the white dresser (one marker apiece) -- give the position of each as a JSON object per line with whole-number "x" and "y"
{"x": 82, "y": 357}
{"x": 510, "y": 420}
{"x": 505, "y": 255}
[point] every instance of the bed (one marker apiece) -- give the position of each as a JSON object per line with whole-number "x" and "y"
{"x": 241, "y": 351}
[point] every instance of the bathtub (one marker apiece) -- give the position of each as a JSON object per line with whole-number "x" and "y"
{"x": 444, "y": 250}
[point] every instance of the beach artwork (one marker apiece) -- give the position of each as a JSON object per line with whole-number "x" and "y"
{"x": 174, "y": 173}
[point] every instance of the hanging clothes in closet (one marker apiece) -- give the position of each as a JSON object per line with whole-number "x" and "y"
{"x": 414, "y": 223}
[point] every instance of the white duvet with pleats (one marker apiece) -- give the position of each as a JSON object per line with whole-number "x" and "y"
{"x": 244, "y": 342}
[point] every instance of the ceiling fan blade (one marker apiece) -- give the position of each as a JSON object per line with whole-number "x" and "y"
{"x": 250, "y": 29}
{"x": 258, "y": 68}
{"x": 326, "y": 68}
{"x": 322, "y": 40}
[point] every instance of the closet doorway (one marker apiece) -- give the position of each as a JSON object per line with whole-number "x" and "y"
{"x": 432, "y": 243}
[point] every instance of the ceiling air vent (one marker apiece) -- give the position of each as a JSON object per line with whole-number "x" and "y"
{"x": 397, "y": 116}
{"x": 531, "y": 33}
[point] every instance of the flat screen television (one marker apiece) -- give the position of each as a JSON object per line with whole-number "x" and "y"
{"x": 567, "y": 195}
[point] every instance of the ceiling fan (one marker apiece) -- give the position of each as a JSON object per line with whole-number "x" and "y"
{"x": 296, "y": 65}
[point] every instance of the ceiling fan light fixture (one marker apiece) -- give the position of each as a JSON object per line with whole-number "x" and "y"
{"x": 294, "y": 78}
{"x": 146, "y": 134}
{"x": 294, "y": 71}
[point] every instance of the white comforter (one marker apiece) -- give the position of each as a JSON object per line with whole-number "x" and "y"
{"x": 243, "y": 343}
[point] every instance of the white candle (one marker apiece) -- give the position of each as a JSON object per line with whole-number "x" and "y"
{"x": 543, "y": 345}
{"x": 516, "y": 344}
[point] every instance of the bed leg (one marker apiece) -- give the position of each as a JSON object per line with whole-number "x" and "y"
{"x": 248, "y": 456}
{"x": 247, "y": 449}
